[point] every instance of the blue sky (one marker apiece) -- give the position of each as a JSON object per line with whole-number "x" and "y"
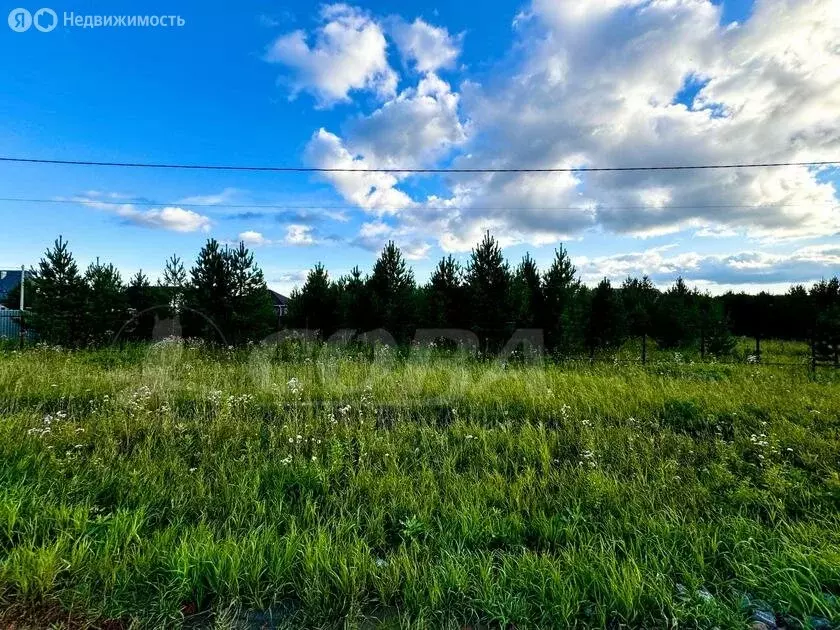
{"x": 541, "y": 83}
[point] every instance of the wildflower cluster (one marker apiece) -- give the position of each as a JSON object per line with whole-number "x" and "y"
{"x": 47, "y": 424}
{"x": 588, "y": 459}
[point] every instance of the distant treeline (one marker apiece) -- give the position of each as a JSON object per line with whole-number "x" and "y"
{"x": 224, "y": 298}
{"x": 492, "y": 299}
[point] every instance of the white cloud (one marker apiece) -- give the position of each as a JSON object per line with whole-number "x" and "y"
{"x": 373, "y": 236}
{"x": 299, "y": 235}
{"x": 252, "y": 238}
{"x": 596, "y": 87}
{"x": 349, "y": 52}
{"x": 284, "y": 281}
{"x": 746, "y": 268}
{"x": 413, "y": 130}
{"x": 428, "y": 47}
{"x": 370, "y": 191}
{"x": 173, "y": 219}
{"x": 225, "y": 196}
{"x": 595, "y": 84}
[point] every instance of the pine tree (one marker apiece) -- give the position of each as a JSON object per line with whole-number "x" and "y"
{"x": 488, "y": 282}
{"x": 173, "y": 285}
{"x": 107, "y": 308}
{"x": 717, "y": 338}
{"x": 564, "y": 305}
{"x": 797, "y": 314}
{"x": 528, "y": 299}
{"x": 252, "y": 309}
{"x": 141, "y": 300}
{"x": 606, "y": 324}
{"x": 174, "y": 274}
{"x": 445, "y": 295}
{"x": 392, "y": 294}
{"x": 208, "y": 295}
{"x": 676, "y": 320}
{"x": 353, "y": 301}
{"x": 315, "y": 306}
{"x": 59, "y": 294}
{"x": 826, "y": 300}
{"x": 639, "y": 298}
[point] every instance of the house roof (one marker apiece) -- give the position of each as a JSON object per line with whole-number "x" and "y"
{"x": 9, "y": 279}
{"x": 278, "y": 298}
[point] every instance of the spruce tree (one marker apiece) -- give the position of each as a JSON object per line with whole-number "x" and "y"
{"x": 488, "y": 282}
{"x": 59, "y": 295}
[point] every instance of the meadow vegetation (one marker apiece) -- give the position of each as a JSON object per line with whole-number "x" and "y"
{"x": 299, "y": 485}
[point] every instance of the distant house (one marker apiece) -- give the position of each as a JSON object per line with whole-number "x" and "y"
{"x": 9, "y": 279}
{"x": 280, "y": 302}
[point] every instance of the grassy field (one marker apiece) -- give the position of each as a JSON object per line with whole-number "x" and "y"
{"x": 173, "y": 485}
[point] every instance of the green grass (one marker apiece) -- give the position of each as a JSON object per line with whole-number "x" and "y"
{"x": 178, "y": 485}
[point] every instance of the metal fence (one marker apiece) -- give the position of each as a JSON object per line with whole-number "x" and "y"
{"x": 10, "y": 324}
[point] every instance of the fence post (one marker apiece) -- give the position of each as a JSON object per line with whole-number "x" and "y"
{"x": 757, "y": 348}
{"x": 21, "y": 332}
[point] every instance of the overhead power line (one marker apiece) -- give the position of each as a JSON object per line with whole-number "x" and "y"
{"x": 312, "y": 169}
{"x": 253, "y": 206}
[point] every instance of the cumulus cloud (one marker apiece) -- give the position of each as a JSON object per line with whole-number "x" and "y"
{"x": 173, "y": 219}
{"x": 253, "y": 239}
{"x": 373, "y": 236}
{"x": 597, "y": 84}
{"x": 663, "y": 265}
{"x": 370, "y": 191}
{"x": 297, "y": 234}
{"x": 347, "y": 52}
{"x": 413, "y": 130}
{"x": 428, "y": 47}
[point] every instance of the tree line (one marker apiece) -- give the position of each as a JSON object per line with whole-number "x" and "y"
{"x": 223, "y": 298}
{"x": 493, "y": 299}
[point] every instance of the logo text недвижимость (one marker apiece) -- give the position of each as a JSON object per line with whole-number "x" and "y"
{"x": 46, "y": 20}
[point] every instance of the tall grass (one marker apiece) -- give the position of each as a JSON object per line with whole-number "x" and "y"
{"x": 159, "y": 485}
